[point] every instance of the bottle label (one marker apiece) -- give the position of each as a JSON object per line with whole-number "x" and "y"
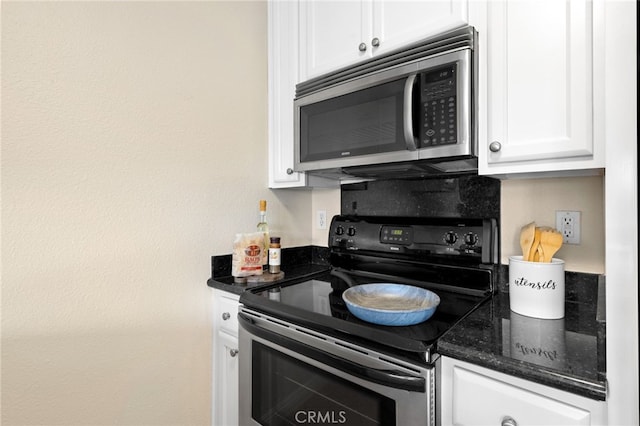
{"x": 274, "y": 256}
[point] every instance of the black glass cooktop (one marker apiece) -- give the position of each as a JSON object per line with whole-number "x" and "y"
{"x": 316, "y": 303}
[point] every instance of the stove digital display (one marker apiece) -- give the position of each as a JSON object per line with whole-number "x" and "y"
{"x": 396, "y": 235}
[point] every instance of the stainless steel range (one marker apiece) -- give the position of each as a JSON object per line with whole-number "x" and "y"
{"x": 305, "y": 359}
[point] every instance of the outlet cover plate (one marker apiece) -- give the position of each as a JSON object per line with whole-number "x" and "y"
{"x": 321, "y": 219}
{"x": 568, "y": 224}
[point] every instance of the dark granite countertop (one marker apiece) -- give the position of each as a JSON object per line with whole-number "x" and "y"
{"x": 297, "y": 263}
{"x": 567, "y": 354}
{"x": 290, "y": 273}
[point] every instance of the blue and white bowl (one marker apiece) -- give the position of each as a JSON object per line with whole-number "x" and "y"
{"x": 391, "y": 304}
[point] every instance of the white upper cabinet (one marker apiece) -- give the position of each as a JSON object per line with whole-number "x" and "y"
{"x": 542, "y": 87}
{"x": 283, "y": 75}
{"x": 334, "y": 34}
{"x": 396, "y": 23}
{"x": 540, "y": 63}
{"x": 331, "y": 34}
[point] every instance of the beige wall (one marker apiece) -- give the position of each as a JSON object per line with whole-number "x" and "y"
{"x": 524, "y": 201}
{"x": 134, "y": 146}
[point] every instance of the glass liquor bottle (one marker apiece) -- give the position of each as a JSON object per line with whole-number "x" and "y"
{"x": 264, "y": 228}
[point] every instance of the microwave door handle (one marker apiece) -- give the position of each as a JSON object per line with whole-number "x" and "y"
{"x": 409, "y": 139}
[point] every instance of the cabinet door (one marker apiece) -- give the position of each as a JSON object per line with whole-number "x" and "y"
{"x": 228, "y": 317}
{"x": 540, "y": 87}
{"x": 283, "y": 76}
{"x": 225, "y": 379}
{"x": 397, "y": 23}
{"x": 331, "y": 33}
{"x": 335, "y": 34}
{"x": 224, "y": 387}
{"x": 472, "y": 395}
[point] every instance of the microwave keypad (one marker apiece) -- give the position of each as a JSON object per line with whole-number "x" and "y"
{"x": 438, "y": 97}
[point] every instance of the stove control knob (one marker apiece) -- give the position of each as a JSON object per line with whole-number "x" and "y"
{"x": 470, "y": 238}
{"x": 450, "y": 237}
{"x": 351, "y": 231}
{"x": 339, "y": 230}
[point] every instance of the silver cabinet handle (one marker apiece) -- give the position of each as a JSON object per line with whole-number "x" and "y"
{"x": 508, "y": 421}
{"x": 226, "y": 316}
{"x": 289, "y": 171}
{"x": 495, "y": 146}
{"x": 234, "y": 352}
{"x": 375, "y": 42}
{"x": 362, "y": 47}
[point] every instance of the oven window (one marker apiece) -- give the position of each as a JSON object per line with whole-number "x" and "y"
{"x": 287, "y": 391}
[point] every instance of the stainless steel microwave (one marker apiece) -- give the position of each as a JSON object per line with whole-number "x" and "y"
{"x": 408, "y": 113}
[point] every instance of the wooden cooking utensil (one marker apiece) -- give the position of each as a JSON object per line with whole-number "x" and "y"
{"x": 527, "y": 234}
{"x": 541, "y": 256}
{"x": 550, "y": 241}
{"x": 538, "y": 256}
{"x": 534, "y": 247}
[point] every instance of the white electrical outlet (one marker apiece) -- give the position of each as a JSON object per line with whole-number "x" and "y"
{"x": 568, "y": 224}
{"x": 321, "y": 219}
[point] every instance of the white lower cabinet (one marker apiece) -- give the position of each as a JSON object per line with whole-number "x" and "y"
{"x": 473, "y": 395}
{"x": 224, "y": 396}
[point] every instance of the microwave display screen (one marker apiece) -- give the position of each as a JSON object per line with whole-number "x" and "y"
{"x": 438, "y": 95}
{"x": 439, "y": 74}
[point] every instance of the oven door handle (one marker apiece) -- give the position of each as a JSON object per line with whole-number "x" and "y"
{"x": 389, "y": 378}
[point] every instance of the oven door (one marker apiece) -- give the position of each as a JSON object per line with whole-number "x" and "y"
{"x": 294, "y": 375}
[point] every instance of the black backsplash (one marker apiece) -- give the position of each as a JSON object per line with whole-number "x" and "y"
{"x": 467, "y": 196}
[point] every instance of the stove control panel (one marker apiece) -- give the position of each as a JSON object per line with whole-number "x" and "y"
{"x": 396, "y": 235}
{"x": 416, "y": 238}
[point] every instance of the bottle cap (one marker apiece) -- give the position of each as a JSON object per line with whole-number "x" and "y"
{"x": 274, "y": 240}
{"x": 263, "y": 205}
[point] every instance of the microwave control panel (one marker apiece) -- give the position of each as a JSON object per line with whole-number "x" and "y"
{"x": 438, "y": 117}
